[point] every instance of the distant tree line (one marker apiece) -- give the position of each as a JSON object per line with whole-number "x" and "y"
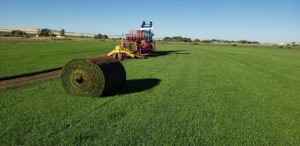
{"x": 100, "y": 36}
{"x": 62, "y": 32}
{"x": 18, "y": 33}
{"x": 177, "y": 39}
{"x": 184, "y": 39}
{"x": 15, "y": 33}
{"x": 247, "y": 42}
{"x": 227, "y": 41}
{"x": 45, "y": 32}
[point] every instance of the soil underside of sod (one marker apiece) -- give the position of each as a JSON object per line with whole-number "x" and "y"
{"x": 23, "y": 79}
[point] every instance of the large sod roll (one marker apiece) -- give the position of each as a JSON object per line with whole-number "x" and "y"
{"x": 92, "y": 77}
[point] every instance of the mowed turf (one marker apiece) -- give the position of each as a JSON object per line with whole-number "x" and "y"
{"x": 186, "y": 95}
{"x": 27, "y": 57}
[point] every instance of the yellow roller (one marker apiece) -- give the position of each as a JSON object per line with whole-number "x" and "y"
{"x": 119, "y": 50}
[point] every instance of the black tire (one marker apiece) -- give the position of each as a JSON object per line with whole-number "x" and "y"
{"x": 120, "y": 56}
{"x": 115, "y": 56}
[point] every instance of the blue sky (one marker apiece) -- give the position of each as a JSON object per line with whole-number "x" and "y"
{"x": 261, "y": 20}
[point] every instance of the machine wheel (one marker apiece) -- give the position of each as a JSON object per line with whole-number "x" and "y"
{"x": 115, "y": 56}
{"x": 120, "y": 57}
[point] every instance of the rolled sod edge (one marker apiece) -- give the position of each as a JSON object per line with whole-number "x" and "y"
{"x": 83, "y": 77}
{"x": 114, "y": 74}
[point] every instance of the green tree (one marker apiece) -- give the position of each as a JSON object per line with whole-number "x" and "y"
{"x": 98, "y": 36}
{"x": 18, "y": 33}
{"x": 166, "y": 39}
{"x": 45, "y": 32}
{"x": 206, "y": 41}
{"x": 185, "y": 40}
{"x": 104, "y": 37}
{"x": 197, "y": 40}
{"x": 177, "y": 39}
{"x": 62, "y": 32}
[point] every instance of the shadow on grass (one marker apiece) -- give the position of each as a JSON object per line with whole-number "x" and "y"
{"x": 183, "y": 53}
{"x": 163, "y": 53}
{"x": 136, "y": 85}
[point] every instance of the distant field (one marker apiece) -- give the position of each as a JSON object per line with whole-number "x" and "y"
{"x": 22, "y": 56}
{"x": 186, "y": 95}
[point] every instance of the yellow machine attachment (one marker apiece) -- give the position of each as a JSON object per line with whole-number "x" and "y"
{"x": 120, "y": 52}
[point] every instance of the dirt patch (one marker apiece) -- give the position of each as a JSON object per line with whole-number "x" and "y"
{"x": 18, "y": 81}
{"x": 101, "y": 58}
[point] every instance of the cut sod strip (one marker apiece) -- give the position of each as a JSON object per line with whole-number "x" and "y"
{"x": 83, "y": 77}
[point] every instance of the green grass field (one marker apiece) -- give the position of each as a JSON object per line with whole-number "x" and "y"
{"x": 27, "y": 57}
{"x": 186, "y": 95}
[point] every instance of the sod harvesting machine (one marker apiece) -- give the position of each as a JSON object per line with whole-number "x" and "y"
{"x": 102, "y": 75}
{"x": 136, "y": 44}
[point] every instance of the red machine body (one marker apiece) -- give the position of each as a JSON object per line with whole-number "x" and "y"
{"x": 141, "y": 41}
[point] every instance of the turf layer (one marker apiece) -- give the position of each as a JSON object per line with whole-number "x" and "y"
{"x": 182, "y": 95}
{"x": 85, "y": 78}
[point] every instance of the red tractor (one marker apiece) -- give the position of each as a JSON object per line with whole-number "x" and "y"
{"x": 141, "y": 41}
{"x": 137, "y": 43}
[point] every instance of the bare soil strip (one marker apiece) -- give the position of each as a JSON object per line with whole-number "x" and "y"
{"x": 14, "y": 82}
{"x": 18, "y": 80}
{"x": 29, "y": 74}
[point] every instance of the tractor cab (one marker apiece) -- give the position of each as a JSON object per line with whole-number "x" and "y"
{"x": 148, "y": 36}
{"x": 147, "y": 29}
